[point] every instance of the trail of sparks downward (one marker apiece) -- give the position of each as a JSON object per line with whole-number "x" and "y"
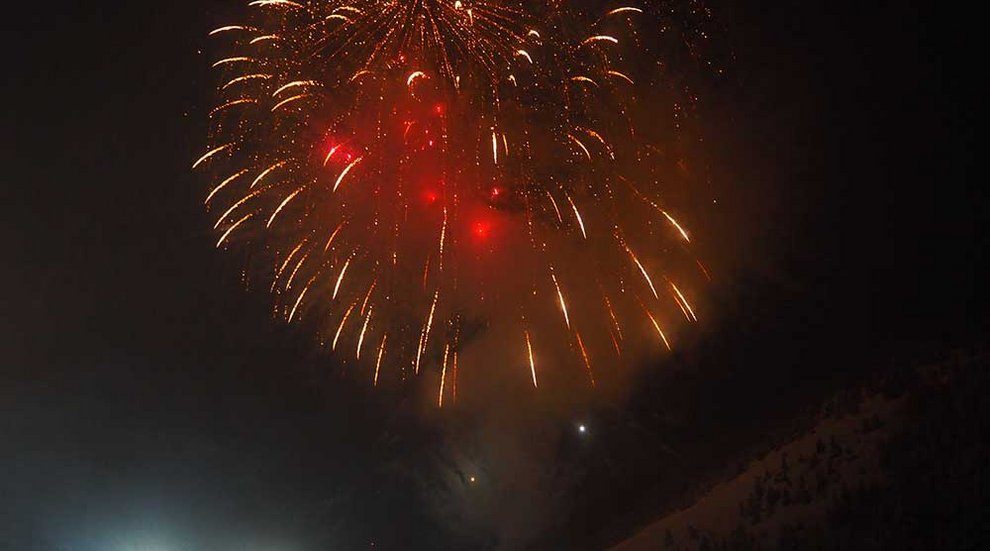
{"x": 340, "y": 328}
{"x": 555, "y": 208}
{"x": 224, "y": 184}
{"x": 443, "y": 375}
{"x": 367, "y": 296}
{"x": 331, "y": 153}
{"x": 332, "y": 236}
{"x": 266, "y": 172}
{"x": 340, "y": 278}
{"x": 229, "y": 60}
{"x": 643, "y": 271}
{"x": 234, "y": 207}
{"x": 443, "y": 235}
{"x": 560, "y": 297}
{"x": 690, "y": 311}
{"x": 285, "y": 264}
{"x": 363, "y": 329}
{"x": 292, "y": 276}
{"x": 229, "y": 28}
{"x": 264, "y": 38}
{"x": 230, "y": 104}
{"x": 378, "y": 363}
{"x": 211, "y": 153}
{"x": 614, "y": 330}
{"x": 581, "y": 145}
{"x": 292, "y": 314}
{"x": 282, "y": 206}
{"x": 577, "y": 214}
{"x": 246, "y": 78}
{"x": 657, "y": 327}
{"x": 683, "y": 233}
{"x": 232, "y": 228}
{"x": 425, "y": 335}
{"x": 344, "y": 173}
{"x": 584, "y": 356}
{"x": 532, "y": 362}
{"x": 290, "y": 100}
{"x": 294, "y": 84}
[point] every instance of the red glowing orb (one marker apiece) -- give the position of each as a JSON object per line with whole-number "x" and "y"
{"x": 481, "y": 229}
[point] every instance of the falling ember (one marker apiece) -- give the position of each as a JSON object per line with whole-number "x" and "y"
{"x": 683, "y": 301}
{"x": 683, "y": 233}
{"x": 299, "y": 300}
{"x": 266, "y": 172}
{"x": 624, "y": 10}
{"x": 340, "y": 327}
{"x": 288, "y": 259}
{"x": 344, "y": 173}
{"x": 364, "y": 329}
{"x": 378, "y": 362}
{"x": 331, "y": 153}
{"x": 584, "y": 356}
{"x": 290, "y": 100}
{"x": 425, "y": 336}
{"x": 443, "y": 375}
{"x": 560, "y": 298}
{"x": 600, "y": 38}
{"x": 230, "y": 104}
{"x": 643, "y": 271}
{"x": 416, "y": 150}
{"x": 332, "y": 236}
{"x": 340, "y": 278}
{"x": 282, "y": 206}
{"x": 245, "y": 78}
{"x": 656, "y": 326}
{"x": 295, "y": 84}
{"x": 263, "y": 38}
{"x": 233, "y": 227}
{"x": 229, "y": 28}
{"x": 577, "y": 214}
{"x": 209, "y": 154}
{"x": 532, "y": 363}
{"x": 229, "y": 60}
{"x": 224, "y": 184}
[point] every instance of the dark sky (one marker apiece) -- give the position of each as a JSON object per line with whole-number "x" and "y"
{"x": 144, "y": 397}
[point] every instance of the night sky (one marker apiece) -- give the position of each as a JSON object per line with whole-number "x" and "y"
{"x": 148, "y": 402}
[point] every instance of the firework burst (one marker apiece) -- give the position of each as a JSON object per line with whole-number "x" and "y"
{"x": 404, "y": 175}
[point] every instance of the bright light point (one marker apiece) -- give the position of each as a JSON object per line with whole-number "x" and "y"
{"x": 473, "y": 480}
{"x": 496, "y": 192}
{"x": 439, "y": 109}
{"x": 582, "y": 429}
{"x": 481, "y": 229}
